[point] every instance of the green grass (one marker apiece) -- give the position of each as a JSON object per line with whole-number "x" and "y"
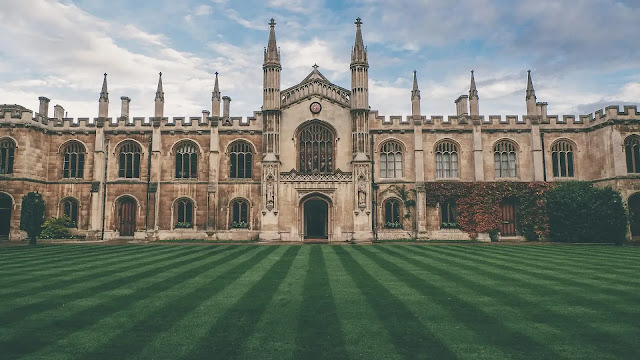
{"x": 320, "y": 302}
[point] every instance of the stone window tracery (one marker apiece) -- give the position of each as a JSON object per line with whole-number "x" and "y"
{"x": 562, "y": 159}
{"x": 448, "y": 215}
{"x": 632, "y": 153}
{"x": 187, "y": 160}
{"x": 240, "y": 160}
{"x": 391, "y": 160}
{"x": 315, "y": 149}
{"x": 505, "y": 160}
{"x": 184, "y": 213}
{"x": 239, "y": 214}
{"x": 446, "y": 160}
{"x": 7, "y": 152}
{"x": 73, "y": 165}
{"x": 129, "y": 160}
{"x": 70, "y": 209}
{"x": 392, "y": 214}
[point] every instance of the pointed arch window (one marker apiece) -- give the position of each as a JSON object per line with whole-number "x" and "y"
{"x": 446, "y": 160}
{"x": 73, "y": 165}
{"x": 129, "y": 160}
{"x": 632, "y": 153}
{"x": 239, "y": 214}
{"x": 448, "y": 215}
{"x": 187, "y": 160}
{"x": 70, "y": 209}
{"x": 240, "y": 160}
{"x": 562, "y": 158}
{"x": 184, "y": 213}
{"x": 7, "y": 152}
{"x": 392, "y": 214}
{"x": 505, "y": 160}
{"x": 391, "y": 160}
{"x": 315, "y": 149}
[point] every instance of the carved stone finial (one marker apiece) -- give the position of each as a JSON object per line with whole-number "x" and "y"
{"x": 358, "y": 22}
{"x": 315, "y": 67}
{"x": 272, "y": 23}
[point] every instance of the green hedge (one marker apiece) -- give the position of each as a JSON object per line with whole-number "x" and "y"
{"x": 580, "y": 212}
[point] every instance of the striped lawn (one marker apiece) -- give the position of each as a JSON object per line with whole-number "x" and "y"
{"x": 320, "y": 302}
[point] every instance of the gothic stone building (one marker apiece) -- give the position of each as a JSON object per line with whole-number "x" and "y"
{"x": 314, "y": 163}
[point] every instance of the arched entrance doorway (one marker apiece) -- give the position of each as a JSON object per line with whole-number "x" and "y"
{"x": 316, "y": 218}
{"x": 126, "y": 219}
{"x": 508, "y": 215}
{"x": 634, "y": 214}
{"x": 6, "y": 205}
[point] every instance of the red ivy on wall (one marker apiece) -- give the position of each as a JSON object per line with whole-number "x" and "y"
{"x": 478, "y": 205}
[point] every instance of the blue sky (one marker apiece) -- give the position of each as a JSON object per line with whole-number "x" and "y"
{"x": 583, "y": 54}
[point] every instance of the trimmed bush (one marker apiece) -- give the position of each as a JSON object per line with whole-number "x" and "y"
{"x": 32, "y": 215}
{"x": 580, "y": 212}
{"x": 57, "y": 228}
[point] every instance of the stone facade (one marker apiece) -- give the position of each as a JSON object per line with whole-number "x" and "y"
{"x": 315, "y": 163}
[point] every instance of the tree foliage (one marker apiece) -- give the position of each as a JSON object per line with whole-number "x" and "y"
{"x": 32, "y": 215}
{"x": 57, "y": 228}
{"x": 580, "y": 212}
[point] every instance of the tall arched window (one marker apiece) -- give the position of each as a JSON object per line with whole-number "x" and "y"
{"x": 240, "y": 214}
{"x": 316, "y": 149}
{"x": 391, "y": 160}
{"x": 240, "y": 160}
{"x": 446, "y": 160}
{"x": 448, "y": 215}
{"x": 392, "y": 214}
{"x": 184, "y": 213}
{"x": 73, "y": 166}
{"x": 129, "y": 160}
{"x": 187, "y": 160}
{"x": 632, "y": 152}
{"x": 562, "y": 158}
{"x": 505, "y": 161}
{"x": 70, "y": 209}
{"x": 7, "y": 151}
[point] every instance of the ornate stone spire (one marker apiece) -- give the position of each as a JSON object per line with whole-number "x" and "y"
{"x": 215, "y": 98}
{"x": 159, "y": 92}
{"x": 103, "y": 102}
{"x": 271, "y": 53}
{"x": 415, "y": 92}
{"x": 159, "y": 101}
{"x": 531, "y": 93}
{"x": 216, "y": 89}
{"x": 359, "y": 52}
{"x": 473, "y": 91}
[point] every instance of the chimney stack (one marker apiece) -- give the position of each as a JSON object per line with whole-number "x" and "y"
{"x": 124, "y": 109}
{"x": 462, "y": 105}
{"x": 205, "y": 115}
{"x": 226, "y": 101}
{"x": 44, "y": 106}
{"x": 58, "y": 112}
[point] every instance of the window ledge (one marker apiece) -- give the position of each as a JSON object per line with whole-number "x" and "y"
{"x": 506, "y": 179}
{"x": 452, "y": 179}
{"x": 565, "y": 178}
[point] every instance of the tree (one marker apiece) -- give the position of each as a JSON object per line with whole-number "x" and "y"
{"x": 32, "y": 215}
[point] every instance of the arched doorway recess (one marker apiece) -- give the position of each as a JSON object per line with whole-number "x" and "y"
{"x": 6, "y": 205}
{"x": 315, "y": 218}
{"x": 126, "y": 216}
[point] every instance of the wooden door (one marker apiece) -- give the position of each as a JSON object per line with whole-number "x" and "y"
{"x": 127, "y": 217}
{"x": 5, "y": 216}
{"x": 508, "y": 225}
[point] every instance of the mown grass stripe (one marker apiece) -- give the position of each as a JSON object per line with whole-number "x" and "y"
{"x": 365, "y": 336}
{"x": 227, "y": 336}
{"x": 20, "y": 254}
{"x": 42, "y": 299}
{"x": 42, "y": 309}
{"x": 131, "y": 341}
{"x": 319, "y": 332}
{"x": 407, "y": 333}
{"x": 492, "y": 328}
{"x": 275, "y": 332}
{"x": 92, "y": 269}
{"x": 508, "y": 302}
{"x": 535, "y": 281}
{"x": 568, "y": 272}
{"x": 86, "y": 312}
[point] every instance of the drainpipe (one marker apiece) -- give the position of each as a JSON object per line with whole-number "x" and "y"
{"x": 146, "y": 216}
{"x": 544, "y": 163}
{"x": 104, "y": 186}
{"x": 374, "y": 193}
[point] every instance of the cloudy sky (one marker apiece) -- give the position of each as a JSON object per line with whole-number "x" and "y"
{"x": 583, "y": 54}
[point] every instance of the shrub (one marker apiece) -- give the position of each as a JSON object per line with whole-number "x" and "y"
{"x": 32, "y": 215}
{"x": 57, "y": 228}
{"x": 580, "y": 212}
{"x": 184, "y": 225}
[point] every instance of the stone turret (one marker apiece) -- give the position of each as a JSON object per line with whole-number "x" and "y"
{"x": 474, "y": 107}
{"x": 271, "y": 68}
{"x": 103, "y": 107}
{"x": 359, "y": 72}
{"x": 215, "y": 98}
{"x": 415, "y": 97}
{"x": 159, "y": 100}
{"x": 530, "y": 96}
